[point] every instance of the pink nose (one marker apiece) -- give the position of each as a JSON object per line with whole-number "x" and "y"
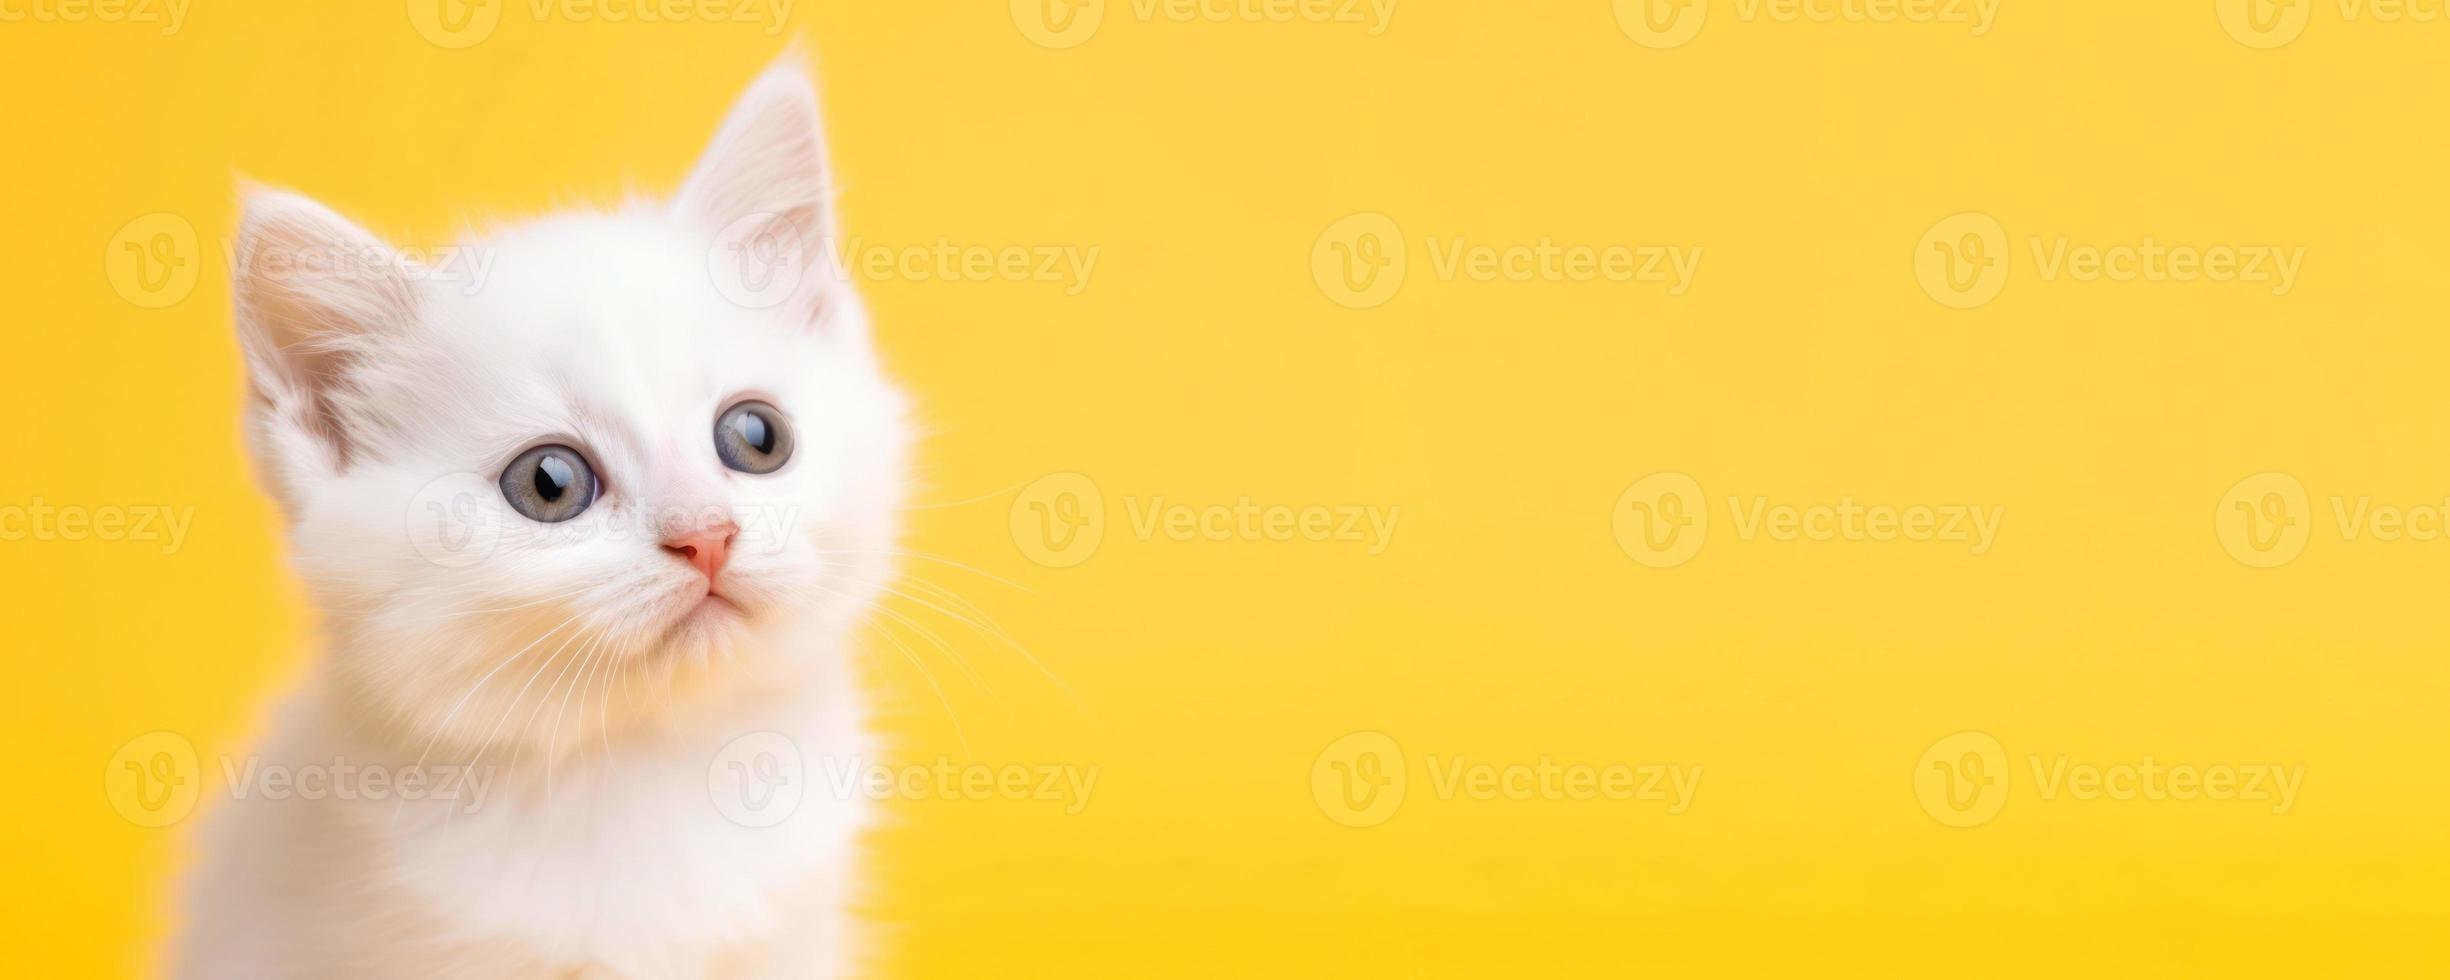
{"x": 707, "y": 547}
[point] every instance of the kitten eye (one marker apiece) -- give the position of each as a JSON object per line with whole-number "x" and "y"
{"x": 549, "y": 484}
{"x": 752, "y": 438}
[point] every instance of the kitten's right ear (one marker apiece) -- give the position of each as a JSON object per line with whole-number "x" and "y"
{"x": 768, "y": 159}
{"x": 314, "y": 294}
{"x": 763, "y": 189}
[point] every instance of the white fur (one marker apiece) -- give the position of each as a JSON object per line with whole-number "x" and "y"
{"x": 561, "y": 659}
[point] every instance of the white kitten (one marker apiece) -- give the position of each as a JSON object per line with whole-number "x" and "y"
{"x": 587, "y": 542}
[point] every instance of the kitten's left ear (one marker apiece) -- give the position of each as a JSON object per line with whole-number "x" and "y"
{"x": 767, "y": 166}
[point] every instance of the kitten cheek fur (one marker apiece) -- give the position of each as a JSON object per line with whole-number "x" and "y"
{"x": 578, "y": 661}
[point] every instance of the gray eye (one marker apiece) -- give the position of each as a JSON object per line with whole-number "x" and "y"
{"x": 549, "y": 484}
{"x": 751, "y": 438}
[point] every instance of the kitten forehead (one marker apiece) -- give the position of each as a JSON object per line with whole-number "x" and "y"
{"x": 605, "y": 322}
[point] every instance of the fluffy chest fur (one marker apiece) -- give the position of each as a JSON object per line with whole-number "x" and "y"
{"x": 689, "y": 843}
{"x": 665, "y": 854}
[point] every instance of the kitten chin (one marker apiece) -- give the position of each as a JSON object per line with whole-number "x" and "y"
{"x": 589, "y": 539}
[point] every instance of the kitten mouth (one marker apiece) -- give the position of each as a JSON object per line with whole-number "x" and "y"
{"x": 712, "y": 608}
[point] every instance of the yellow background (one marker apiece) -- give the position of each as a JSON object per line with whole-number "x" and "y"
{"x": 1202, "y": 364}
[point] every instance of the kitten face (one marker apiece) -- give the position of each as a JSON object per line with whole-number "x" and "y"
{"x": 624, "y": 462}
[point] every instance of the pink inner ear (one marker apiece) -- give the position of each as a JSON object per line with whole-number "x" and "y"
{"x": 313, "y": 293}
{"x": 767, "y": 159}
{"x": 763, "y": 189}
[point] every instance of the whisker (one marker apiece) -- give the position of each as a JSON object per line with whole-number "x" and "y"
{"x": 997, "y": 633}
{"x": 949, "y": 714}
{"x": 551, "y": 750}
{"x": 617, "y": 666}
{"x": 937, "y": 641}
{"x": 923, "y": 556}
{"x": 513, "y": 707}
{"x": 481, "y": 681}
